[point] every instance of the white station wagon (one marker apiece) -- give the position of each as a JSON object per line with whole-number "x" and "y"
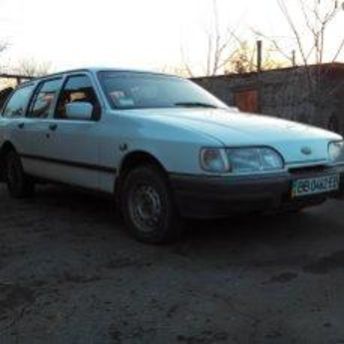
{"x": 164, "y": 147}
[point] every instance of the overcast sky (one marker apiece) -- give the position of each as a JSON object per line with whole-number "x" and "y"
{"x": 145, "y": 34}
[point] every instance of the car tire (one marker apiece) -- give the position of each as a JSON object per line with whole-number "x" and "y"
{"x": 148, "y": 206}
{"x": 19, "y": 185}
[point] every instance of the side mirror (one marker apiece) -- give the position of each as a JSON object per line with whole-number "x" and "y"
{"x": 79, "y": 111}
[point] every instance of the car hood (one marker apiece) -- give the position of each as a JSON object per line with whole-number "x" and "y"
{"x": 233, "y": 128}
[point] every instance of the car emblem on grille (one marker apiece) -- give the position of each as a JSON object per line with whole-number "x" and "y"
{"x": 306, "y": 150}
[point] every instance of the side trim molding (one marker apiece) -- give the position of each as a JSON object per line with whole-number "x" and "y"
{"x": 85, "y": 166}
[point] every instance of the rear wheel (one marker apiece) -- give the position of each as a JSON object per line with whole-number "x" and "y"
{"x": 148, "y": 206}
{"x": 19, "y": 185}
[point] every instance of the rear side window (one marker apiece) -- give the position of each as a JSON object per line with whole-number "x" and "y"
{"x": 44, "y": 99}
{"x": 18, "y": 102}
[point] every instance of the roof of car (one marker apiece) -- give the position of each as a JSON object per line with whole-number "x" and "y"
{"x": 99, "y": 69}
{"x": 92, "y": 70}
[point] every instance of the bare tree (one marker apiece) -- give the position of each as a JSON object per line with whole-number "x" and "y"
{"x": 3, "y": 46}
{"x": 243, "y": 59}
{"x": 318, "y": 15}
{"x": 317, "y": 18}
{"x": 220, "y": 46}
{"x": 32, "y": 68}
{"x": 179, "y": 70}
{"x": 310, "y": 24}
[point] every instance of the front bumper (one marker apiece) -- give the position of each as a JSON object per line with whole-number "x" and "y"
{"x": 211, "y": 197}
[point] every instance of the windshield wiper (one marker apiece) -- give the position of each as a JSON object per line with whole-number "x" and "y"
{"x": 196, "y": 104}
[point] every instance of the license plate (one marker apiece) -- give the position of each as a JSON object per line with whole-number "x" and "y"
{"x": 312, "y": 186}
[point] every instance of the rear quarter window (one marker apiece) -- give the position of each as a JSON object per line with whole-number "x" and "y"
{"x": 18, "y": 102}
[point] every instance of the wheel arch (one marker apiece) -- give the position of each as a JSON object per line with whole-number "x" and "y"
{"x": 132, "y": 160}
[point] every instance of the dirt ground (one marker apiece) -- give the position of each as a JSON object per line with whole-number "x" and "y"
{"x": 70, "y": 274}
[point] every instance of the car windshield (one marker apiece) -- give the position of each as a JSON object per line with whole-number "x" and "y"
{"x": 134, "y": 90}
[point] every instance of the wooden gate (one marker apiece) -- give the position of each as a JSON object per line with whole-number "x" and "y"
{"x": 247, "y": 100}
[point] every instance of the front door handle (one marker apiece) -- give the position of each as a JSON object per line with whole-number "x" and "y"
{"x": 21, "y": 125}
{"x": 53, "y": 127}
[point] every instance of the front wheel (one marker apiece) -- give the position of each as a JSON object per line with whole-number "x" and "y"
{"x": 148, "y": 206}
{"x": 19, "y": 185}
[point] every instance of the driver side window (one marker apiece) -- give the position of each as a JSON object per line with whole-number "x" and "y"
{"x": 77, "y": 89}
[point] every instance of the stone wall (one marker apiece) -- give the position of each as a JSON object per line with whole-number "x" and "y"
{"x": 313, "y": 95}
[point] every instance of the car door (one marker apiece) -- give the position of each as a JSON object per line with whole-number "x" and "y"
{"x": 13, "y": 117}
{"x": 33, "y": 135}
{"x": 72, "y": 144}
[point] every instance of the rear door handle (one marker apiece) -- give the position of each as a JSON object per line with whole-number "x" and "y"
{"x": 21, "y": 125}
{"x": 53, "y": 127}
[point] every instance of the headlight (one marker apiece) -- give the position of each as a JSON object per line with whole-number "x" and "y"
{"x": 336, "y": 151}
{"x": 214, "y": 160}
{"x": 241, "y": 160}
{"x": 254, "y": 159}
